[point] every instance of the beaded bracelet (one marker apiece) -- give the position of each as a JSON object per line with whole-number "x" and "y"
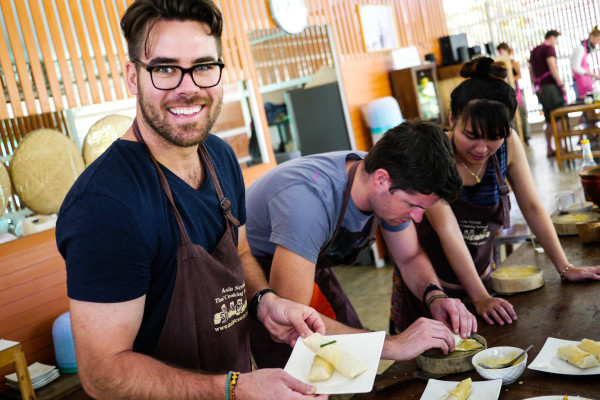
{"x": 435, "y": 297}
{"x": 234, "y": 378}
{"x": 227, "y": 384}
{"x": 564, "y": 271}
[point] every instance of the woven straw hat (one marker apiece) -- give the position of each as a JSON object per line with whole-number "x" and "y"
{"x": 5, "y": 189}
{"x": 102, "y": 134}
{"x": 44, "y": 166}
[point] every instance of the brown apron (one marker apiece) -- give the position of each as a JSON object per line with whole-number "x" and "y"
{"x": 206, "y": 324}
{"x": 479, "y": 225}
{"x": 267, "y": 353}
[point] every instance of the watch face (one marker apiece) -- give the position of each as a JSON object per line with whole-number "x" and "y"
{"x": 289, "y": 15}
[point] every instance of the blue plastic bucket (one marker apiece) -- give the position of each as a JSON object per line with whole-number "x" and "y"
{"x": 64, "y": 347}
{"x": 384, "y": 114}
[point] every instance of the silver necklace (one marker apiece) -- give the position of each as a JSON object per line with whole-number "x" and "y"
{"x": 475, "y": 175}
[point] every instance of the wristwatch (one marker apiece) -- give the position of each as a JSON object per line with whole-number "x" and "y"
{"x": 253, "y": 309}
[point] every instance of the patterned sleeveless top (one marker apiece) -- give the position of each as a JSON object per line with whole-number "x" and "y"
{"x": 486, "y": 193}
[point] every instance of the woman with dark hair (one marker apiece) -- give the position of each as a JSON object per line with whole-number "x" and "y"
{"x": 458, "y": 238}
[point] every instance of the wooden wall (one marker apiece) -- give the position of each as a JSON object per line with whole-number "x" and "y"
{"x": 33, "y": 293}
{"x": 88, "y": 67}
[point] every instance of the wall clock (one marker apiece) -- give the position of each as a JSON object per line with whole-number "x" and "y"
{"x": 289, "y": 15}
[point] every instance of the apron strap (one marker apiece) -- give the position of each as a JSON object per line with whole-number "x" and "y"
{"x": 503, "y": 191}
{"x": 163, "y": 183}
{"x": 351, "y": 174}
{"x": 538, "y": 80}
{"x": 224, "y": 202}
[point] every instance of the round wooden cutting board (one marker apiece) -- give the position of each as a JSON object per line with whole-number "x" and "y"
{"x": 516, "y": 279}
{"x": 565, "y": 224}
{"x": 434, "y": 361}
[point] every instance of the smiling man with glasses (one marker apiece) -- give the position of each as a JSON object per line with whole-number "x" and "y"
{"x": 160, "y": 276}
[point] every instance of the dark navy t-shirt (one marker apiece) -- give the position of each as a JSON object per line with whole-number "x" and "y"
{"x": 118, "y": 234}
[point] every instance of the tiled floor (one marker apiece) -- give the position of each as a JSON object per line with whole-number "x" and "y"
{"x": 369, "y": 288}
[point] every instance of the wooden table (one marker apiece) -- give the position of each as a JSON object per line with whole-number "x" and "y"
{"x": 559, "y": 309}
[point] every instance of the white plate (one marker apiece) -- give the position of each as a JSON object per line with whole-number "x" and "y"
{"x": 366, "y": 347}
{"x": 480, "y": 390}
{"x": 548, "y": 361}
{"x": 557, "y": 397}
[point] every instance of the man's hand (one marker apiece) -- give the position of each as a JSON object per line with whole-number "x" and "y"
{"x": 495, "y": 309}
{"x": 287, "y": 320}
{"x": 273, "y": 384}
{"x": 454, "y": 314}
{"x": 421, "y": 335}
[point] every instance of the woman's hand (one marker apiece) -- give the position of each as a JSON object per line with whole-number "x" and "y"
{"x": 575, "y": 274}
{"x": 495, "y": 309}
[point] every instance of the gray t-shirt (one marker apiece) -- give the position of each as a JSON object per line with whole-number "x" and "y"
{"x": 298, "y": 203}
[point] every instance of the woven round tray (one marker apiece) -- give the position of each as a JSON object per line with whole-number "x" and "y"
{"x": 5, "y": 188}
{"x": 436, "y": 362}
{"x": 102, "y": 134}
{"x": 44, "y": 166}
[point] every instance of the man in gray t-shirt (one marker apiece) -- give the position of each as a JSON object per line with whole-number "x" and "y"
{"x": 312, "y": 213}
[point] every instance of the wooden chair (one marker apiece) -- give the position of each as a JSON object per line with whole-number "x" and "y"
{"x": 15, "y": 355}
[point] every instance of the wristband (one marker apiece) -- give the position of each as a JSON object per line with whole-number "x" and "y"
{"x": 433, "y": 298}
{"x": 253, "y": 310}
{"x": 227, "y": 384}
{"x": 234, "y": 378}
{"x": 430, "y": 288}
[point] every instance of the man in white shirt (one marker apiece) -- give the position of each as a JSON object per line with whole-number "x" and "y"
{"x": 582, "y": 76}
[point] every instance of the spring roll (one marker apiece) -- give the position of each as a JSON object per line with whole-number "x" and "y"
{"x": 332, "y": 352}
{"x": 577, "y": 357}
{"x": 591, "y": 347}
{"x": 320, "y": 370}
{"x": 461, "y": 391}
{"x": 461, "y": 344}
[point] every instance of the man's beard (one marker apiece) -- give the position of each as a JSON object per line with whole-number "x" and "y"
{"x": 197, "y": 132}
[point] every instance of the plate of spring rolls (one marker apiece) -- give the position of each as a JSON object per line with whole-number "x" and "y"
{"x": 568, "y": 357}
{"x": 337, "y": 364}
{"x": 466, "y": 389}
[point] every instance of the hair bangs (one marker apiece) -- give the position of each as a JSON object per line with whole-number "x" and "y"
{"x": 489, "y": 119}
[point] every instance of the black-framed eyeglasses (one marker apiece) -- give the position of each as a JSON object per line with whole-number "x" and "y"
{"x": 169, "y": 77}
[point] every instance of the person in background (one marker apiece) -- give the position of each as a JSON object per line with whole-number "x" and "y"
{"x": 315, "y": 212}
{"x": 583, "y": 78}
{"x": 158, "y": 266}
{"x": 549, "y": 88}
{"x": 504, "y": 49}
{"x": 459, "y": 237}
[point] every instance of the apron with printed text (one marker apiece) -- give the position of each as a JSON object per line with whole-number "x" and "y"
{"x": 206, "y": 326}
{"x": 584, "y": 83}
{"x": 478, "y": 225}
{"x": 328, "y": 296}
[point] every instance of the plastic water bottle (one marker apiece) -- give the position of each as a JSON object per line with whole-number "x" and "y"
{"x": 586, "y": 155}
